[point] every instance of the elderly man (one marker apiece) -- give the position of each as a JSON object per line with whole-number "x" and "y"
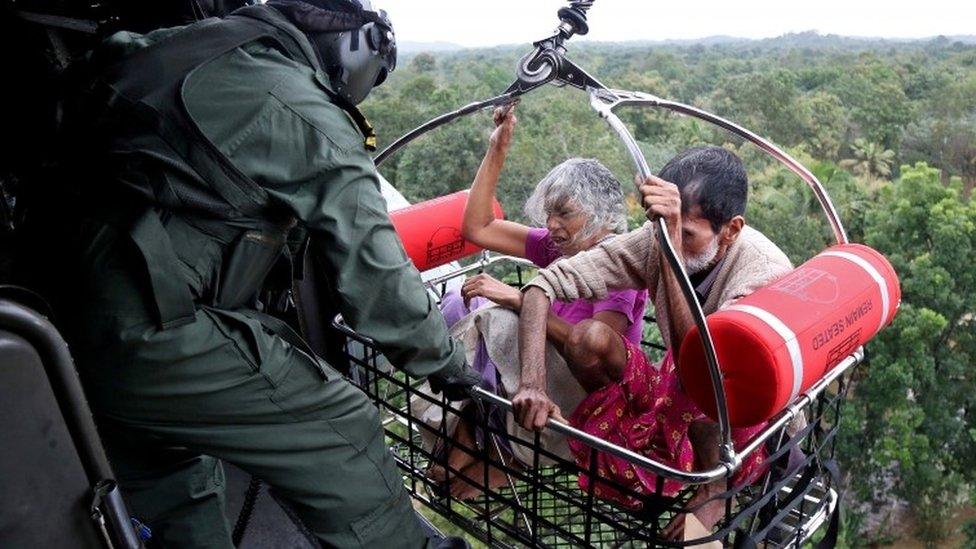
{"x": 701, "y": 194}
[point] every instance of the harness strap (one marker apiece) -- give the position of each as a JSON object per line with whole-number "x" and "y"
{"x": 171, "y": 295}
{"x": 833, "y": 528}
{"x": 146, "y": 82}
{"x": 779, "y": 509}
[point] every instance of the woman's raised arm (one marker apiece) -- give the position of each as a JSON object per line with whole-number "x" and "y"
{"x": 479, "y": 224}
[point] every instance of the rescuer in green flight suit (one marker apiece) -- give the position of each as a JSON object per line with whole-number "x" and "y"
{"x": 204, "y": 147}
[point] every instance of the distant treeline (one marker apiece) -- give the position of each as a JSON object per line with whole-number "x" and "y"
{"x": 888, "y": 126}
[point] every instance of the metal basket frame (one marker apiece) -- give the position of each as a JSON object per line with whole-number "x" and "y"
{"x": 544, "y": 507}
{"x": 544, "y": 65}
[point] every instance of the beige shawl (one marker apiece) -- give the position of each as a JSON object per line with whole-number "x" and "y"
{"x": 631, "y": 261}
{"x": 499, "y": 328}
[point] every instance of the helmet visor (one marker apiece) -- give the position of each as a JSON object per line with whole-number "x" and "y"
{"x": 385, "y": 40}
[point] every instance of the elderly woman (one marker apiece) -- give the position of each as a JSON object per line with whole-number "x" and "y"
{"x": 580, "y": 204}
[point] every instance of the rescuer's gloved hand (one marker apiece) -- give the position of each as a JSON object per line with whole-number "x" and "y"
{"x": 456, "y": 384}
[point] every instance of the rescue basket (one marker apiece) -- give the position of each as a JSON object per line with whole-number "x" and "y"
{"x": 541, "y": 504}
{"x": 540, "y": 501}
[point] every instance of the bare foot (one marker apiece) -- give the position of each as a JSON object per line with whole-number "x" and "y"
{"x": 708, "y": 511}
{"x": 705, "y": 438}
{"x": 461, "y": 454}
{"x": 470, "y": 484}
{"x": 458, "y": 460}
{"x": 436, "y": 473}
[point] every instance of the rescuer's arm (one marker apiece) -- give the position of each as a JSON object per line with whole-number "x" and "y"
{"x": 379, "y": 291}
{"x": 309, "y": 156}
{"x": 479, "y": 224}
{"x": 376, "y": 287}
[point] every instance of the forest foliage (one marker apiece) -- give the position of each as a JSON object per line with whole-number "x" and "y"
{"x": 889, "y": 128}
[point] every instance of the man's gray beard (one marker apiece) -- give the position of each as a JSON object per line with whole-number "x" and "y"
{"x": 702, "y": 261}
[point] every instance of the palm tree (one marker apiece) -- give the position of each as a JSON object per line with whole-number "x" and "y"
{"x": 870, "y": 159}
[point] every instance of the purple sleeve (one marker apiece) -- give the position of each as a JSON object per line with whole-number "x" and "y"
{"x": 631, "y": 304}
{"x": 539, "y": 247}
{"x": 620, "y": 301}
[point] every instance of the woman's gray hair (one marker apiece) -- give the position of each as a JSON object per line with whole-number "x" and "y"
{"x": 591, "y": 186}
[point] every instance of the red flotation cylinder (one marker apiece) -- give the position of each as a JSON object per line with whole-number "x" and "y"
{"x": 779, "y": 341}
{"x": 431, "y": 230}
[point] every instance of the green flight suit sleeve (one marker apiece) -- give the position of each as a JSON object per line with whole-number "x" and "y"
{"x": 271, "y": 119}
{"x": 378, "y": 290}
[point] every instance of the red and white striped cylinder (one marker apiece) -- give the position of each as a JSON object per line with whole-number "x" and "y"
{"x": 779, "y": 341}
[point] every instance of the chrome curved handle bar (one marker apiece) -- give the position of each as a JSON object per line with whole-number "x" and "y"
{"x": 441, "y": 120}
{"x": 539, "y": 67}
{"x": 695, "y": 477}
{"x": 609, "y": 99}
{"x": 544, "y": 64}
{"x": 605, "y": 110}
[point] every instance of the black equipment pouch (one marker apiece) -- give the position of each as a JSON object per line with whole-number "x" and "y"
{"x": 247, "y": 266}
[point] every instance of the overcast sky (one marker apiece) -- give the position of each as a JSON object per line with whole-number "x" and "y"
{"x": 493, "y": 22}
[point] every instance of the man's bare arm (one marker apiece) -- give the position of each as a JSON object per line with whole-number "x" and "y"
{"x": 532, "y": 405}
{"x": 532, "y": 338}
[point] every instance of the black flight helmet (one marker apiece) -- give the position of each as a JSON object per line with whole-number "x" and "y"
{"x": 355, "y": 43}
{"x": 359, "y": 60}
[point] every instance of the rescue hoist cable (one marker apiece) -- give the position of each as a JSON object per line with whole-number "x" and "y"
{"x": 539, "y": 67}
